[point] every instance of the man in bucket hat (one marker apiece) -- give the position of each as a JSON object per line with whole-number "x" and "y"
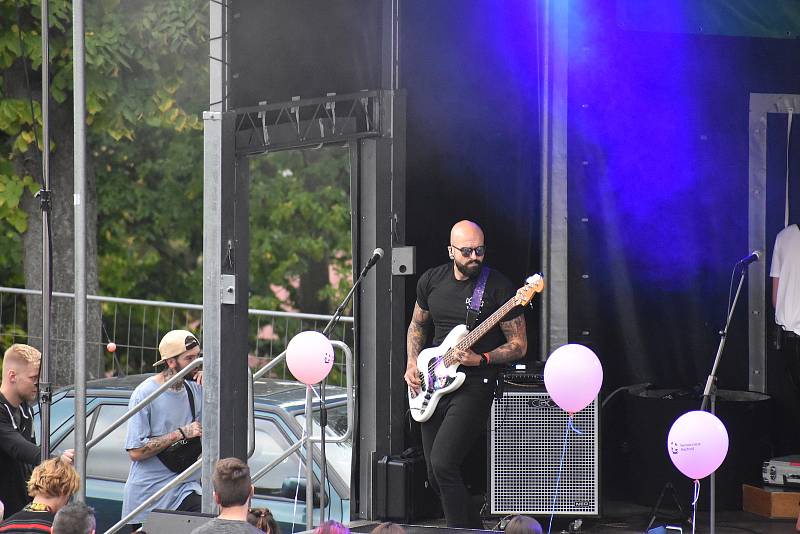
{"x": 166, "y": 420}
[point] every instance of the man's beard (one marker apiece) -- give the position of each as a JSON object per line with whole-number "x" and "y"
{"x": 169, "y": 372}
{"x": 470, "y": 269}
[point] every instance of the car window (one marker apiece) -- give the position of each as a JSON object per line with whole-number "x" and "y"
{"x": 61, "y": 411}
{"x": 339, "y": 455}
{"x": 271, "y": 443}
{"x": 108, "y": 459}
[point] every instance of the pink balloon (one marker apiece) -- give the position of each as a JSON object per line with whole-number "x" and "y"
{"x": 573, "y": 376}
{"x": 697, "y": 444}
{"x": 309, "y": 356}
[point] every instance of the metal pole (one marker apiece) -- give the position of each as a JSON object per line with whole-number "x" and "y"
{"x": 545, "y": 176}
{"x": 309, "y": 462}
{"x": 710, "y": 395}
{"x": 212, "y": 305}
{"x": 712, "y": 509}
{"x": 45, "y": 388}
{"x": 79, "y": 119}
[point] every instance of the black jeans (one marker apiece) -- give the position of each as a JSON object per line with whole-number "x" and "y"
{"x": 447, "y": 438}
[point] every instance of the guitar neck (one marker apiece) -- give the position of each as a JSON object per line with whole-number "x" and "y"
{"x": 470, "y": 339}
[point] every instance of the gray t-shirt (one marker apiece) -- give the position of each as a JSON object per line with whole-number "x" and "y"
{"x": 226, "y": 526}
{"x": 164, "y": 415}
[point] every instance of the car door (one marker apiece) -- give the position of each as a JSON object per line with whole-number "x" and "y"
{"x": 107, "y": 463}
{"x": 275, "y": 489}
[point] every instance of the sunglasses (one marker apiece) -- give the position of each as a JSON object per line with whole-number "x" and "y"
{"x": 467, "y": 251}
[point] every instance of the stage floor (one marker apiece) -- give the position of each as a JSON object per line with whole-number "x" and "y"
{"x": 623, "y": 518}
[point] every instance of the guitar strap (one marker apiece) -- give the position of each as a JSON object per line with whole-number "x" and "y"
{"x": 474, "y": 307}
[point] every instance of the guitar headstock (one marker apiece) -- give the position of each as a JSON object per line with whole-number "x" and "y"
{"x": 533, "y": 284}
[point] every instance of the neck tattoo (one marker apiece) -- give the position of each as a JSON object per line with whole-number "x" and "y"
{"x": 168, "y": 373}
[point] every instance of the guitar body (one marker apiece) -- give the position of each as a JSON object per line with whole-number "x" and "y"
{"x": 437, "y": 378}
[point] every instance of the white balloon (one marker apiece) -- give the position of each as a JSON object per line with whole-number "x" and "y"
{"x": 309, "y": 357}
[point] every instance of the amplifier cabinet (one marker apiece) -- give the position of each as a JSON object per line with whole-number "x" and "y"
{"x": 526, "y": 442}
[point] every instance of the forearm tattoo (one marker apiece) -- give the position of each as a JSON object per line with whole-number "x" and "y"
{"x": 157, "y": 444}
{"x": 417, "y": 332}
{"x": 516, "y": 342}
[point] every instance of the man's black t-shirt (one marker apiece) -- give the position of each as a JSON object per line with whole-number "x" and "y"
{"x": 446, "y": 298}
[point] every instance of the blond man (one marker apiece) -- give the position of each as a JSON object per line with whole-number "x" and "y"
{"x": 18, "y": 450}
{"x": 52, "y": 484}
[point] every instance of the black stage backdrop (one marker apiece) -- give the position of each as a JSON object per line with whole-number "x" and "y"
{"x": 658, "y": 167}
{"x": 658, "y": 201}
{"x": 304, "y": 48}
{"x": 658, "y": 176}
{"x": 470, "y": 69}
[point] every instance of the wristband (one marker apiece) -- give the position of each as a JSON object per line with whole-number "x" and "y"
{"x": 485, "y": 359}
{"x": 182, "y": 433}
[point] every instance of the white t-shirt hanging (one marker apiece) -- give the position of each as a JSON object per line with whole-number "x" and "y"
{"x": 786, "y": 268}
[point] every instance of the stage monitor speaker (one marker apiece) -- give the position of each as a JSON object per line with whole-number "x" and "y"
{"x": 526, "y": 441}
{"x": 174, "y": 522}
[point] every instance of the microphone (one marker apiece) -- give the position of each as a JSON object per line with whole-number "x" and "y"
{"x": 747, "y": 260}
{"x": 376, "y": 255}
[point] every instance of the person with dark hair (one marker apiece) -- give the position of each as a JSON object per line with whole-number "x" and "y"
{"x": 172, "y": 417}
{"x": 388, "y": 528}
{"x": 332, "y": 527}
{"x": 262, "y": 519}
{"x": 74, "y": 518}
{"x": 51, "y": 485}
{"x": 18, "y": 450}
{"x": 233, "y": 490}
{"x": 463, "y": 291}
{"x": 523, "y": 524}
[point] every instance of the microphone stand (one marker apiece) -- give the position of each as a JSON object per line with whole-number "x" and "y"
{"x": 323, "y": 411}
{"x": 710, "y": 392}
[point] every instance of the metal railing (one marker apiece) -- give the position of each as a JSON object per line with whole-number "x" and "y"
{"x": 308, "y": 436}
{"x": 305, "y": 440}
{"x": 136, "y": 326}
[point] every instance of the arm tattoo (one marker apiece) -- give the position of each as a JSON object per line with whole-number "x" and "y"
{"x": 417, "y": 332}
{"x": 157, "y": 444}
{"x": 516, "y": 344}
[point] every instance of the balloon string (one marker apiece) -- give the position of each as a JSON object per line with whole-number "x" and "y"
{"x": 297, "y": 489}
{"x": 569, "y": 426}
{"x": 572, "y": 426}
{"x": 694, "y": 502}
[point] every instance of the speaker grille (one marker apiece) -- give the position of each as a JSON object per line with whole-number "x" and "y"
{"x": 527, "y": 439}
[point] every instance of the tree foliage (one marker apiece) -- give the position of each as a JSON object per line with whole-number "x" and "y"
{"x": 147, "y": 85}
{"x": 299, "y": 226}
{"x": 145, "y": 65}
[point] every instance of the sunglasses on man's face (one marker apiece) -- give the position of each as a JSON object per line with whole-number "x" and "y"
{"x": 467, "y": 251}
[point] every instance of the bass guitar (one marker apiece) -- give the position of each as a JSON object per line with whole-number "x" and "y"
{"x": 438, "y": 369}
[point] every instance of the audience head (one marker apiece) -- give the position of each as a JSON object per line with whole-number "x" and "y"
{"x": 74, "y": 518}
{"x": 262, "y": 519}
{"x": 388, "y": 528}
{"x": 332, "y": 527}
{"x": 522, "y": 524}
{"x": 53, "y": 480}
{"x": 232, "y": 484}
{"x": 21, "y": 373}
